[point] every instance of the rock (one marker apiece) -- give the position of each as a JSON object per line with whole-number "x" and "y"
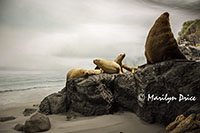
{"x": 198, "y": 117}
{"x": 169, "y": 77}
{"x": 191, "y": 52}
{"x": 191, "y": 124}
{"x": 91, "y": 96}
{"x": 35, "y": 105}
{"x": 124, "y": 94}
{"x": 70, "y": 116}
{"x": 190, "y": 33}
{"x": 29, "y": 111}
{"x": 195, "y": 109}
{"x": 54, "y": 104}
{"x": 173, "y": 125}
{"x": 37, "y": 123}
{"x": 19, "y": 127}
{"x": 106, "y": 93}
{"x": 7, "y": 118}
{"x": 195, "y": 131}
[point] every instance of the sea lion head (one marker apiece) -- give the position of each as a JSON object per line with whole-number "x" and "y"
{"x": 166, "y": 14}
{"x": 119, "y": 58}
{"x": 122, "y": 55}
{"x": 163, "y": 20}
{"x": 84, "y": 72}
{"x": 96, "y": 61}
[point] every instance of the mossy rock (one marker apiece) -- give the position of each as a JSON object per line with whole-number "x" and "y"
{"x": 190, "y": 32}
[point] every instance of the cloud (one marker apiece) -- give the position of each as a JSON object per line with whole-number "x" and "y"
{"x": 45, "y": 33}
{"x": 192, "y": 5}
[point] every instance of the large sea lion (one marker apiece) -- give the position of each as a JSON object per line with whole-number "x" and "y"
{"x": 108, "y": 66}
{"x": 161, "y": 44}
{"x": 77, "y": 73}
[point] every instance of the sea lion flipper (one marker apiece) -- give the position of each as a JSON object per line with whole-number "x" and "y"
{"x": 120, "y": 72}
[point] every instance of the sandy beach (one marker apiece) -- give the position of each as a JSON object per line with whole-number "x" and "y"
{"x": 125, "y": 122}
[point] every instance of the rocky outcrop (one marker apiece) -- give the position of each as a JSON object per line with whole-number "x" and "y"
{"x": 195, "y": 109}
{"x": 189, "y": 40}
{"x": 190, "y": 33}
{"x": 92, "y": 95}
{"x": 191, "y": 52}
{"x": 152, "y": 92}
{"x": 188, "y": 124}
{"x": 165, "y": 79}
{"x": 37, "y": 123}
{"x": 54, "y": 103}
{"x": 177, "y": 121}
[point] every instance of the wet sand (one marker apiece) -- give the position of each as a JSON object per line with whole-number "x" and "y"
{"x": 125, "y": 122}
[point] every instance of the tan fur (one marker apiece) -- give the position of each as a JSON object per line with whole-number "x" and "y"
{"x": 108, "y": 66}
{"x": 129, "y": 68}
{"x": 94, "y": 72}
{"x": 119, "y": 58}
{"x": 77, "y": 73}
{"x": 161, "y": 44}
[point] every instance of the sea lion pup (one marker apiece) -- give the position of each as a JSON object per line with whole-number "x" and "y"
{"x": 77, "y": 73}
{"x": 108, "y": 66}
{"x": 161, "y": 44}
{"x": 94, "y": 72}
{"x": 129, "y": 68}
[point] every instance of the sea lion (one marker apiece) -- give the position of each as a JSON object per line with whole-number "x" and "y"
{"x": 108, "y": 66}
{"x": 129, "y": 68}
{"x": 161, "y": 44}
{"x": 118, "y": 60}
{"x": 94, "y": 72}
{"x": 77, "y": 73}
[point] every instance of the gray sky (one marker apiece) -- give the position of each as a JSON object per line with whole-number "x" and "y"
{"x": 49, "y": 34}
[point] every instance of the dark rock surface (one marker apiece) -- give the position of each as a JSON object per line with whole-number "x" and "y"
{"x": 169, "y": 77}
{"x": 29, "y": 111}
{"x": 92, "y": 95}
{"x": 195, "y": 109}
{"x": 105, "y": 93}
{"x": 37, "y": 123}
{"x": 7, "y": 118}
{"x": 54, "y": 104}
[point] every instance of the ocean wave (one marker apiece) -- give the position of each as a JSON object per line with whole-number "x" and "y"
{"x": 61, "y": 80}
{"x": 22, "y": 82}
{"x": 26, "y": 89}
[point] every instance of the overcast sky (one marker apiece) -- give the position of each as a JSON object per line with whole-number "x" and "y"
{"x": 46, "y": 34}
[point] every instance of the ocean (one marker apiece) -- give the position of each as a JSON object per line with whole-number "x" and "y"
{"x": 22, "y": 86}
